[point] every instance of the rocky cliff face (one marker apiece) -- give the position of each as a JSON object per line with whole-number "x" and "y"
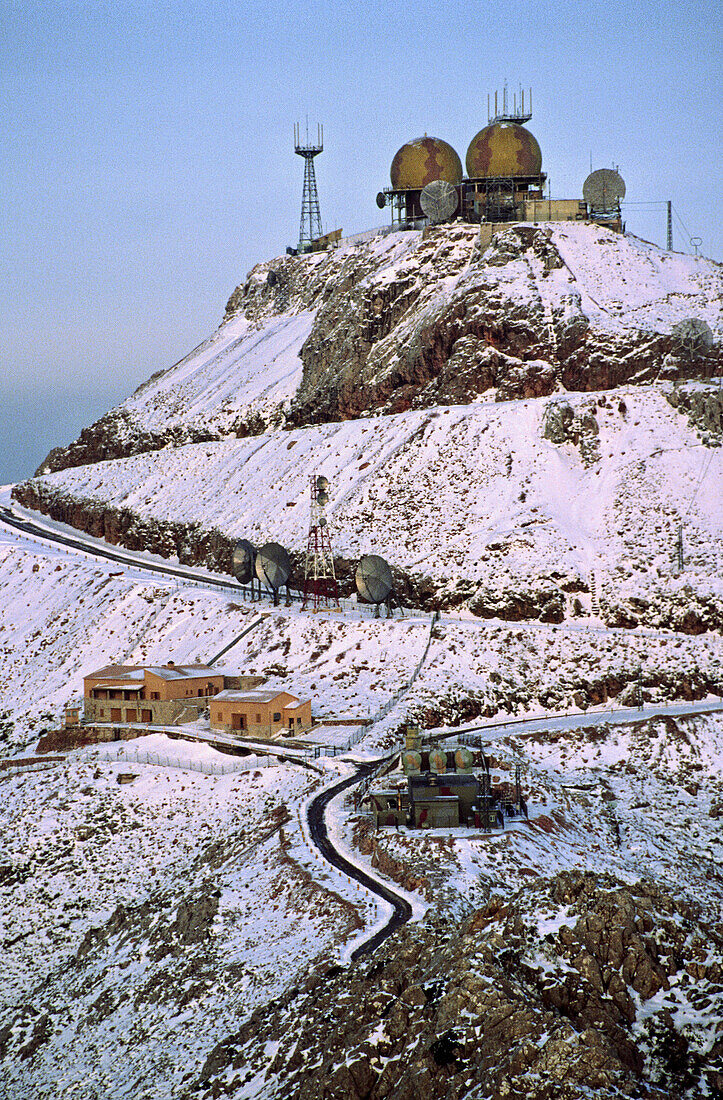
{"x": 508, "y": 1005}
{"x": 457, "y": 322}
{"x": 414, "y": 320}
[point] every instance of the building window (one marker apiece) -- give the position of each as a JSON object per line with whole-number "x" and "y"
{"x": 258, "y": 719}
{"x": 277, "y": 717}
{"x": 155, "y": 695}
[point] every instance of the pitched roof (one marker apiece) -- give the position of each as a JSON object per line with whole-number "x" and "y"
{"x": 111, "y": 670}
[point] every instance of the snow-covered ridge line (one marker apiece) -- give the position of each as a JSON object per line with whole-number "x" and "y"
{"x": 416, "y": 320}
{"x": 509, "y": 509}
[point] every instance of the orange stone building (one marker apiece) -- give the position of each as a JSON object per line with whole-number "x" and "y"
{"x": 153, "y": 693}
{"x": 260, "y": 713}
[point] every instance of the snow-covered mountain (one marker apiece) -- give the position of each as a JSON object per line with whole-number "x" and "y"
{"x": 532, "y": 440}
{"x": 417, "y": 320}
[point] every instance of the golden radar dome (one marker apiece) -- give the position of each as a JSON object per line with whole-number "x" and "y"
{"x": 425, "y": 159}
{"x": 503, "y": 149}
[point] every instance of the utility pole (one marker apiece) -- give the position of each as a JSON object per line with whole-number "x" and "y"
{"x": 670, "y": 226}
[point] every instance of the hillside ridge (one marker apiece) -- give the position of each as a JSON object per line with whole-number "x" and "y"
{"x": 415, "y": 320}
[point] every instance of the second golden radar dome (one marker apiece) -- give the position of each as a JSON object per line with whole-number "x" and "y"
{"x": 503, "y": 149}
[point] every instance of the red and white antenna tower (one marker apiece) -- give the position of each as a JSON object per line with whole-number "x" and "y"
{"x": 320, "y": 587}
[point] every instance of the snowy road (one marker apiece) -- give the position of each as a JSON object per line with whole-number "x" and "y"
{"x": 101, "y": 550}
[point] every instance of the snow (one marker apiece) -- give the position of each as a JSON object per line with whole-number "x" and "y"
{"x": 473, "y": 492}
{"x": 627, "y": 282}
{"x": 105, "y": 885}
{"x": 240, "y": 368}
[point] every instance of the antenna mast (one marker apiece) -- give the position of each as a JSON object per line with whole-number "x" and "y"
{"x": 310, "y": 225}
{"x": 320, "y": 585}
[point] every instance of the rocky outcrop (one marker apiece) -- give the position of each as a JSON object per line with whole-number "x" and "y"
{"x": 703, "y": 405}
{"x": 564, "y": 989}
{"x": 406, "y": 322}
{"x": 579, "y": 426}
{"x": 407, "y": 344}
{"x": 118, "y": 435}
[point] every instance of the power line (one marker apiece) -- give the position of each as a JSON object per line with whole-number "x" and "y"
{"x": 701, "y": 479}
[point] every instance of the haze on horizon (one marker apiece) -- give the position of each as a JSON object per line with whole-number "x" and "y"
{"x": 149, "y": 154}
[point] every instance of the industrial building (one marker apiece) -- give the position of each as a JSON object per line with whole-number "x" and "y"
{"x": 445, "y": 788}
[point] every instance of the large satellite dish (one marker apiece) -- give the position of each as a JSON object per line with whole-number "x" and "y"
{"x": 693, "y": 335}
{"x": 273, "y": 567}
{"x": 374, "y": 581}
{"x": 381, "y": 200}
{"x": 243, "y": 561}
{"x": 439, "y": 201}
{"x": 604, "y": 190}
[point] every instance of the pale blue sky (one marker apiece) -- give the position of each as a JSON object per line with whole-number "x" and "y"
{"x": 148, "y": 158}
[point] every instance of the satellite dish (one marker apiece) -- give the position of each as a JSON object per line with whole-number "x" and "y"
{"x": 604, "y": 190}
{"x": 374, "y": 581}
{"x": 439, "y": 201}
{"x": 244, "y": 553}
{"x": 381, "y": 200}
{"x": 273, "y": 567}
{"x": 693, "y": 335}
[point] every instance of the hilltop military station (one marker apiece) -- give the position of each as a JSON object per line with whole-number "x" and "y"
{"x": 504, "y": 183}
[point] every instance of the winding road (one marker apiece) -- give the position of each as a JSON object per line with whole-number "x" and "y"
{"x": 135, "y": 561}
{"x": 319, "y": 834}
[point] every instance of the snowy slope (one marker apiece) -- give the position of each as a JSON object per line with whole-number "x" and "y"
{"x": 323, "y": 337}
{"x": 625, "y": 282}
{"x": 241, "y": 368}
{"x": 466, "y": 497}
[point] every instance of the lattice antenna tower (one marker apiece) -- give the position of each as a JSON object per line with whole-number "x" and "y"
{"x": 320, "y": 586}
{"x": 310, "y": 225}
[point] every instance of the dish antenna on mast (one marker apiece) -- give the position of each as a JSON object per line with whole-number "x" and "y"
{"x": 439, "y": 201}
{"x": 244, "y": 560}
{"x": 273, "y": 568}
{"x": 603, "y": 191}
{"x": 374, "y": 582}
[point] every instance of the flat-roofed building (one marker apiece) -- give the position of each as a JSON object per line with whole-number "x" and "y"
{"x": 260, "y": 713}
{"x": 148, "y": 693}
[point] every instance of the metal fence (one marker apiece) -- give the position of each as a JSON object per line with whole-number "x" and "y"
{"x": 407, "y": 684}
{"x": 207, "y": 767}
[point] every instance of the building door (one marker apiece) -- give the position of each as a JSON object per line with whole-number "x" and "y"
{"x": 238, "y": 722}
{"x": 146, "y": 715}
{"x": 115, "y": 714}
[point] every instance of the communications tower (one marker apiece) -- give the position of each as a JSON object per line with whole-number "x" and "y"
{"x": 320, "y": 586}
{"x": 310, "y": 226}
